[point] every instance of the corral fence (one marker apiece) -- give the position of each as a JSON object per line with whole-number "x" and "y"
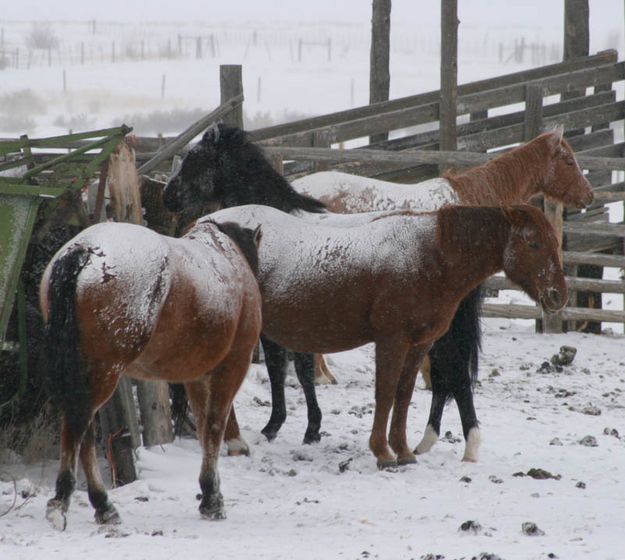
{"x": 579, "y": 95}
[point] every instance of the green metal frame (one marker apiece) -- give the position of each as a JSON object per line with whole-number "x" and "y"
{"x": 21, "y": 196}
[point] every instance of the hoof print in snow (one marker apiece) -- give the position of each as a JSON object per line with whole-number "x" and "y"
{"x": 495, "y": 479}
{"x": 581, "y": 485}
{"x": 591, "y": 410}
{"x": 588, "y": 441}
{"x": 546, "y": 367}
{"x": 556, "y": 441}
{"x": 542, "y": 474}
{"x": 432, "y": 557}
{"x": 466, "y": 479}
{"x": 611, "y": 432}
{"x": 344, "y": 465}
{"x": 565, "y": 357}
{"x": 487, "y": 556}
{"x": 531, "y": 529}
{"x": 471, "y": 527}
{"x": 450, "y": 438}
{"x": 260, "y": 402}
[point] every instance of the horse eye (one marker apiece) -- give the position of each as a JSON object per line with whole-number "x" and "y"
{"x": 533, "y": 245}
{"x": 569, "y": 161}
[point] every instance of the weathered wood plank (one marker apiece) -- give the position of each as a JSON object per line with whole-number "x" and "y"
{"x": 574, "y": 283}
{"x": 593, "y": 63}
{"x": 598, "y": 259}
{"x": 494, "y": 310}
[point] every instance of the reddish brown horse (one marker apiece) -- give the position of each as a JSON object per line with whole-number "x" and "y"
{"x": 546, "y": 165}
{"x": 397, "y": 282}
{"x": 120, "y": 299}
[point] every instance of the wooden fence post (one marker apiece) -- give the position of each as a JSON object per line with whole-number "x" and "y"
{"x": 533, "y": 118}
{"x": 379, "y": 74}
{"x": 231, "y": 85}
{"x": 449, "y": 76}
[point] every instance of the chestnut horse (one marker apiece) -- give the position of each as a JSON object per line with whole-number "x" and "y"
{"x": 226, "y": 168}
{"x": 120, "y": 299}
{"x": 397, "y": 282}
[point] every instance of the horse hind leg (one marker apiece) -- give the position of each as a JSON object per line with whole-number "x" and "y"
{"x": 304, "y": 367}
{"x": 234, "y": 441}
{"x": 275, "y": 359}
{"x": 56, "y": 509}
{"x": 323, "y": 375}
{"x": 216, "y": 403}
{"x": 105, "y": 511}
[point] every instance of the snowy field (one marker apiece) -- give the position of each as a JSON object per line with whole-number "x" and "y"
{"x": 292, "y": 501}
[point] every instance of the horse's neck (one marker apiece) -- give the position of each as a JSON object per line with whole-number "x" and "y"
{"x": 511, "y": 178}
{"x": 471, "y": 245}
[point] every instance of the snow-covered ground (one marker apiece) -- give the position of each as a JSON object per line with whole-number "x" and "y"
{"x": 292, "y": 501}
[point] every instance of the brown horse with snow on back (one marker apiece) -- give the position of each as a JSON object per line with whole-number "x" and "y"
{"x": 397, "y": 282}
{"x": 120, "y": 299}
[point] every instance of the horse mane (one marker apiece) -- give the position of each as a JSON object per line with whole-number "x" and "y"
{"x": 493, "y": 183}
{"x": 248, "y": 177}
{"x": 245, "y": 238}
{"x": 457, "y": 227}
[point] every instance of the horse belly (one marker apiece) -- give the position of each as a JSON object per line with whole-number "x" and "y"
{"x": 317, "y": 320}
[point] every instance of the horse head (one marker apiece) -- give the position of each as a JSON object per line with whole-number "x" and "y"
{"x": 196, "y": 183}
{"x": 565, "y": 181}
{"x": 531, "y": 257}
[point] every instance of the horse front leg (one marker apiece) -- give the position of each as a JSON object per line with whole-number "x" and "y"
{"x": 304, "y": 367}
{"x": 275, "y": 360}
{"x": 390, "y": 356}
{"x": 405, "y": 388}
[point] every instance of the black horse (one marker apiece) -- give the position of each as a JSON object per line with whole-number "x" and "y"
{"x": 227, "y": 169}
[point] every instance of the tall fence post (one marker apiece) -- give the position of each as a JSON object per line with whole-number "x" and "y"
{"x": 379, "y": 74}
{"x": 551, "y": 323}
{"x": 231, "y": 85}
{"x": 449, "y": 76}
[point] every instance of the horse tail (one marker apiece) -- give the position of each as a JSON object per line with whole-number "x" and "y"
{"x": 458, "y": 349}
{"x": 67, "y": 384}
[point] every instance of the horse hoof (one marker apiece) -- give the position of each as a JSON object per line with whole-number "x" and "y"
{"x": 312, "y": 438}
{"x": 408, "y": 459}
{"x": 56, "y": 514}
{"x": 237, "y": 447}
{"x": 214, "y": 509}
{"x": 214, "y": 515}
{"x": 109, "y": 516}
{"x": 269, "y": 433}
{"x": 387, "y": 464}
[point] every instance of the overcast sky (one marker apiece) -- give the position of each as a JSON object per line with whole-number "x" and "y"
{"x": 605, "y": 14}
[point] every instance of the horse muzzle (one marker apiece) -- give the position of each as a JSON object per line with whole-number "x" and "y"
{"x": 551, "y": 300}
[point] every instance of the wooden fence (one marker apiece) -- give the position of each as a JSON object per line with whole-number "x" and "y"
{"x": 493, "y": 114}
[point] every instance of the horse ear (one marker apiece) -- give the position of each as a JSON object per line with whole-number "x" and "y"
{"x": 555, "y": 138}
{"x": 514, "y": 216}
{"x": 211, "y": 136}
{"x": 257, "y": 235}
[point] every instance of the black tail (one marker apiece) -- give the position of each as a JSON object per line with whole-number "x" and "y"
{"x": 455, "y": 356}
{"x": 66, "y": 380}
